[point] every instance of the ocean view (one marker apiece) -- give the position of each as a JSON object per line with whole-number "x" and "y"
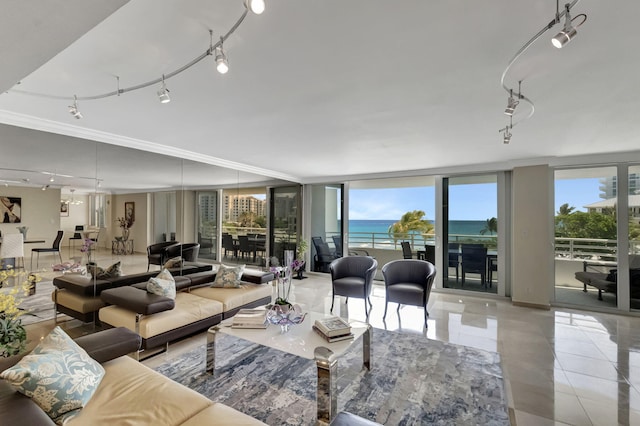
{"x": 458, "y": 227}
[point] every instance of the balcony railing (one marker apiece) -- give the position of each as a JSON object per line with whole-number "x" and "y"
{"x": 565, "y": 248}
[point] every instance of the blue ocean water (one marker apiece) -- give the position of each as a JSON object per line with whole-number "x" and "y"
{"x": 460, "y": 227}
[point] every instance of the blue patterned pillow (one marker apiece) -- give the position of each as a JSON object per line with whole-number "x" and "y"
{"x": 58, "y": 375}
{"x": 228, "y": 276}
{"x": 162, "y": 284}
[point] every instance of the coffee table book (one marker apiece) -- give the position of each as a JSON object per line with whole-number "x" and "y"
{"x": 333, "y": 326}
{"x": 250, "y": 318}
{"x": 334, "y": 338}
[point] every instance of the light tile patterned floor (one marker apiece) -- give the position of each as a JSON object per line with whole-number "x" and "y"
{"x": 561, "y": 367}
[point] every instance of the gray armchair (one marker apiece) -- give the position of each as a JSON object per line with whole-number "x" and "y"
{"x": 408, "y": 282}
{"x": 352, "y": 276}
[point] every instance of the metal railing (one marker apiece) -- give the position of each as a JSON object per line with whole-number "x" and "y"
{"x": 565, "y": 248}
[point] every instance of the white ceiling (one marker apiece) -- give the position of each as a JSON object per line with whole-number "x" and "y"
{"x": 322, "y": 90}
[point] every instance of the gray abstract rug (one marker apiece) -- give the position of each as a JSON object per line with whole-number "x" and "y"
{"x": 413, "y": 381}
{"x": 38, "y": 307}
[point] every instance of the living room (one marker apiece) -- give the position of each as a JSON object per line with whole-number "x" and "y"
{"x": 120, "y": 155}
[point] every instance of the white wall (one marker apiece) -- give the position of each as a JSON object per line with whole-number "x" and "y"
{"x": 532, "y": 236}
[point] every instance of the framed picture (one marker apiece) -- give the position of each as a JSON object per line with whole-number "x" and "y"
{"x": 130, "y": 211}
{"x": 10, "y": 209}
{"x": 64, "y": 209}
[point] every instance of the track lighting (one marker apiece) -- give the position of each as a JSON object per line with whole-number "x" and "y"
{"x": 163, "y": 93}
{"x": 256, "y": 6}
{"x": 44, "y": 187}
{"x": 569, "y": 31}
{"x": 73, "y": 109}
{"x": 221, "y": 59}
{"x": 507, "y": 136}
{"x": 511, "y": 105}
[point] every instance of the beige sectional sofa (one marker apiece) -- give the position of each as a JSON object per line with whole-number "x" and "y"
{"x": 197, "y": 306}
{"x": 129, "y": 394}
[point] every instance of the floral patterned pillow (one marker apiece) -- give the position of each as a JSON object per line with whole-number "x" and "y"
{"x": 58, "y": 375}
{"x": 228, "y": 276}
{"x": 162, "y": 284}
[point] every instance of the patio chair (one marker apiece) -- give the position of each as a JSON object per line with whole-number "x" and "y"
{"x": 352, "y": 276}
{"x": 244, "y": 246}
{"x": 406, "y": 250}
{"x": 454, "y": 259}
{"x": 206, "y": 243}
{"x": 474, "y": 261}
{"x": 408, "y": 282}
{"x": 229, "y": 245}
{"x": 337, "y": 241}
{"x": 323, "y": 257}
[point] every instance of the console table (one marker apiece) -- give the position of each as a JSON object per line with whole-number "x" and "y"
{"x": 122, "y": 246}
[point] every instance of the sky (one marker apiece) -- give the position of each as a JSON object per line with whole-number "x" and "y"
{"x": 466, "y": 202}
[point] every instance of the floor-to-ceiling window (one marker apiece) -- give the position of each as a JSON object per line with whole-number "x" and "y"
{"x": 207, "y": 224}
{"x": 326, "y": 224}
{"x": 634, "y": 235}
{"x": 586, "y": 235}
{"x": 384, "y": 213}
{"x": 470, "y": 232}
{"x": 284, "y": 223}
{"x": 244, "y": 225}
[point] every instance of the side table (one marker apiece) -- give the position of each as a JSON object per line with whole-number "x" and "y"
{"x": 120, "y": 246}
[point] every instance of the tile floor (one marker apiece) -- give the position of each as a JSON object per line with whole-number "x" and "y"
{"x": 561, "y": 367}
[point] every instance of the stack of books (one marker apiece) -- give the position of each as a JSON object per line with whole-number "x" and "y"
{"x": 250, "y": 318}
{"x": 333, "y": 329}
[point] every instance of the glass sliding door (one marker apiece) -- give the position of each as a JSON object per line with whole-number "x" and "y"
{"x": 207, "y": 224}
{"x": 470, "y": 233}
{"x": 284, "y": 220}
{"x": 634, "y": 236}
{"x": 244, "y": 226}
{"x": 327, "y": 225}
{"x": 586, "y": 244}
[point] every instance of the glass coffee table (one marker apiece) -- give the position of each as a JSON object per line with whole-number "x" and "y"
{"x": 302, "y": 341}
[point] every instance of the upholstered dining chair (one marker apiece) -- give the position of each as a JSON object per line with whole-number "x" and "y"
{"x": 157, "y": 253}
{"x": 55, "y": 248}
{"x": 352, "y": 276}
{"x": 408, "y": 282}
{"x": 12, "y": 247}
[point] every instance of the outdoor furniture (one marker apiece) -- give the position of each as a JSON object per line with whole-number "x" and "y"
{"x": 474, "y": 261}
{"x": 454, "y": 258}
{"x": 323, "y": 257}
{"x": 229, "y": 245}
{"x": 244, "y": 246}
{"x": 337, "y": 241}
{"x": 157, "y": 253}
{"x": 206, "y": 243}
{"x": 352, "y": 276}
{"x": 55, "y": 248}
{"x": 408, "y": 282}
{"x": 406, "y": 250}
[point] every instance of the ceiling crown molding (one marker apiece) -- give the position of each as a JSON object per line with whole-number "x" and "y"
{"x": 35, "y": 123}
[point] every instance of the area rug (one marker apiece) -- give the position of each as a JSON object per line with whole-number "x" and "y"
{"x": 38, "y": 307}
{"x": 413, "y": 381}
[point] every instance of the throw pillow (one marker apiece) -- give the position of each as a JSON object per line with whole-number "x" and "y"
{"x": 174, "y": 262}
{"x": 99, "y": 273}
{"x": 58, "y": 375}
{"x": 162, "y": 284}
{"x": 228, "y": 276}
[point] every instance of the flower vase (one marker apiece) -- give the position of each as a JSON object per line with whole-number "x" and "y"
{"x": 285, "y": 316}
{"x": 125, "y": 234}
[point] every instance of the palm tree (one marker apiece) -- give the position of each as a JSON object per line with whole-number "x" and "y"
{"x": 410, "y": 222}
{"x": 565, "y": 210}
{"x": 491, "y": 226}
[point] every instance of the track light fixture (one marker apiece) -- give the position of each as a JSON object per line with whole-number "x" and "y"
{"x": 569, "y": 31}
{"x": 163, "y": 93}
{"x": 507, "y": 136}
{"x": 221, "y": 59}
{"x": 512, "y": 103}
{"x": 73, "y": 109}
{"x": 255, "y": 6}
{"x": 565, "y": 36}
